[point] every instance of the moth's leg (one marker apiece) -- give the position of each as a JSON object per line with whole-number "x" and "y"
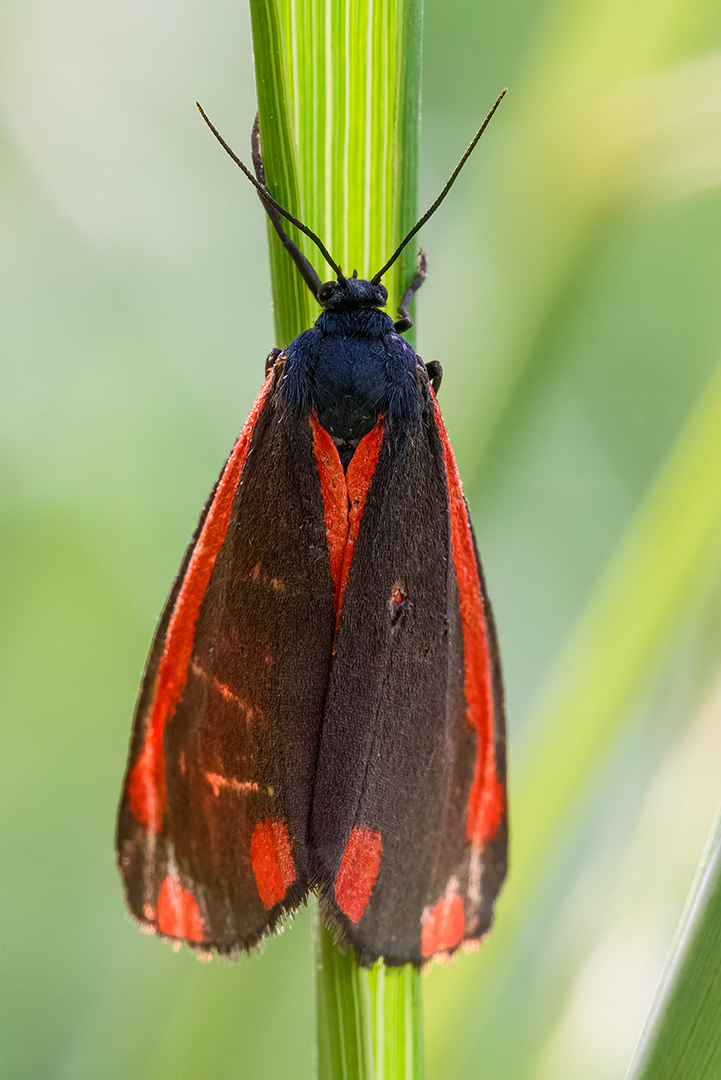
{"x": 272, "y": 357}
{"x": 406, "y": 322}
{"x": 435, "y": 374}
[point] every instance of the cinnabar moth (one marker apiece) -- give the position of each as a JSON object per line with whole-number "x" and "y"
{"x": 322, "y": 707}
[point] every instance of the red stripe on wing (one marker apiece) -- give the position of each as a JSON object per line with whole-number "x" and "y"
{"x": 146, "y": 781}
{"x": 344, "y": 496}
{"x": 487, "y": 796}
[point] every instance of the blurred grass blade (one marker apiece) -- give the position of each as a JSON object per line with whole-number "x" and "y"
{"x": 563, "y": 189}
{"x": 682, "y": 1036}
{"x": 669, "y": 554}
{"x": 339, "y": 103}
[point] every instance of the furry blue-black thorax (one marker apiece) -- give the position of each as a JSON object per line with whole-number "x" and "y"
{"x": 353, "y": 365}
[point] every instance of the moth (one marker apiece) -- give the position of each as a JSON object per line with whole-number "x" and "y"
{"x": 322, "y": 707}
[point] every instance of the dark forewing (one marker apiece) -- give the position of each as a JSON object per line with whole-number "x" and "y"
{"x": 214, "y": 816}
{"x": 408, "y": 824}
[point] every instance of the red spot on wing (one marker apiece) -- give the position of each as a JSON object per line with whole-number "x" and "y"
{"x": 273, "y": 866}
{"x": 178, "y": 911}
{"x": 358, "y": 871}
{"x": 344, "y": 496}
{"x": 486, "y": 800}
{"x": 146, "y": 780}
{"x": 443, "y": 924}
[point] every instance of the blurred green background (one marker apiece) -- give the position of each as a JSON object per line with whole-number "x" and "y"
{"x": 574, "y": 299}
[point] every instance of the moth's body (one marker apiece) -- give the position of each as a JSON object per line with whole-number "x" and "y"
{"x": 322, "y": 706}
{"x": 352, "y": 366}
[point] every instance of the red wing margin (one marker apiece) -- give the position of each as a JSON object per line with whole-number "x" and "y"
{"x": 408, "y": 835}
{"x": 213, "y": 825}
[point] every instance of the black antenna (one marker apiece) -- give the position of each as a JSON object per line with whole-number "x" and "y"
{"x": 306, "y": 269}
{"x": 271, "y": 202}
{"x": 429, "y": 213}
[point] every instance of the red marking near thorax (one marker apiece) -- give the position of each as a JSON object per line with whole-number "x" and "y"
{"x": 358, "y": 871}
{"x": 335, "y": 500}
{"x": 486, "y": 798}
{"x": 344, "y": 496}
{"x": 358, "y": 478}
{"x": 146, "y": 781}
{"x": 272, "y": 859}
{"x": 178, "y": 911}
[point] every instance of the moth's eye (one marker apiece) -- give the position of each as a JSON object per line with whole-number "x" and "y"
{"x": 325, "y": 292}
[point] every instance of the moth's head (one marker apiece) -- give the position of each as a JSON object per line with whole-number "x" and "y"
{"x": 351, "y": 294}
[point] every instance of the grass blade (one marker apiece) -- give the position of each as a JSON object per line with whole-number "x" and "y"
{"x": 398, "y": 1023}
{"x": 339, "y": 104}
{"x": 291, "y": 299}
{"x": 682, "y": 1036}
{"x": 344, "y": 1013}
